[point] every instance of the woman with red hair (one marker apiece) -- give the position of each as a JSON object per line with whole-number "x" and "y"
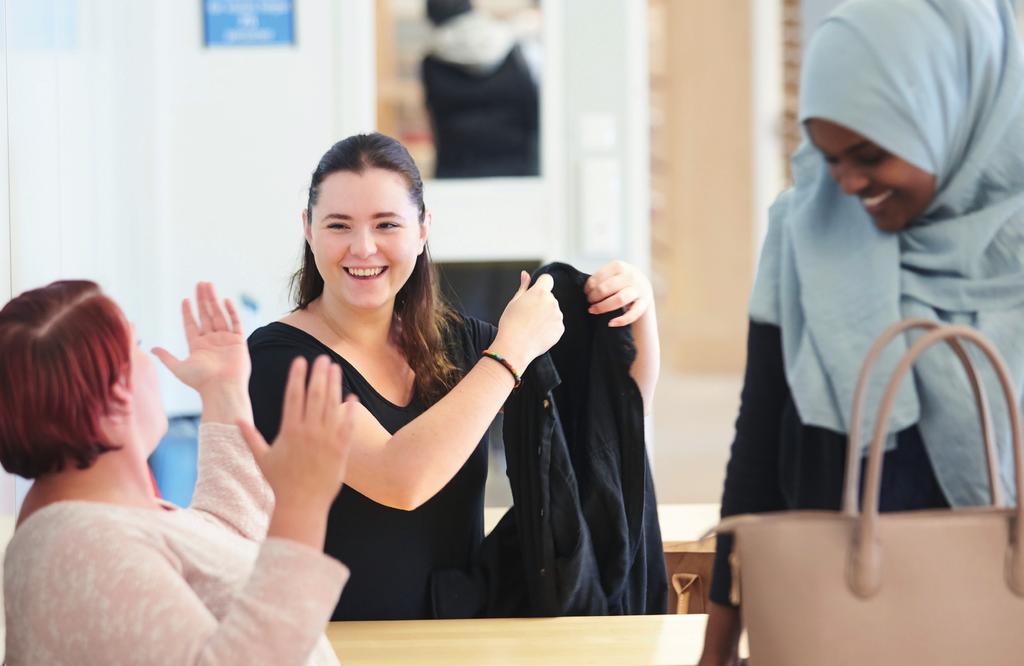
{"x": 100, "y": 571}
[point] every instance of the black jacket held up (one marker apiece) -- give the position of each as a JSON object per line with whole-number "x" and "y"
{"x": 582, "y": 537}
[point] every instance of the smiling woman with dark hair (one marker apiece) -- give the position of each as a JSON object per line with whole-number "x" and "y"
{"x": 429, "y": 380}
{"x": 908, "y": 202}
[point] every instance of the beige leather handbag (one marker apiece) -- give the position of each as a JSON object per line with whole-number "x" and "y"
{"x": 916, "y": 587}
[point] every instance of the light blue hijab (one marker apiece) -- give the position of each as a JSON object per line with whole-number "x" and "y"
{"x": 939, "y": 83}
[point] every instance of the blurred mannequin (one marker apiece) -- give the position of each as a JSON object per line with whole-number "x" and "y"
{"x": 481, "y": 82}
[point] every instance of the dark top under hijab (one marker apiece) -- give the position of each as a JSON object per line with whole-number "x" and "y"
{"x": 778, "y": 463}
{"x": 390, "y": 552}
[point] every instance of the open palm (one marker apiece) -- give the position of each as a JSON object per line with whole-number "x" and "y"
{"x": 217, "y": 352}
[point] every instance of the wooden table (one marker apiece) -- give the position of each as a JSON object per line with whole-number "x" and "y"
{"x": 562, "y": 641}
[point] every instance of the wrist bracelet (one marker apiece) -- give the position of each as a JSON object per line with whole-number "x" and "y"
{"x": 508, "y": 366}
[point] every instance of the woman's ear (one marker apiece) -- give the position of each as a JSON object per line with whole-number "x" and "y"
{"x": 121, "y": 397}
{"x": 306, "y": 230}
{"x": 114, "y": 422}
{"x": 428, "y": 219}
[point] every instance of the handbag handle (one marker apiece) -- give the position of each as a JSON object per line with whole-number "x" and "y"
{"x": 852, "y": 474}
{"x": 864, "y": 572}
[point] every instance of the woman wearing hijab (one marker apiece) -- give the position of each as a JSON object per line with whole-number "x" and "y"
{"x": 908, "y": 201}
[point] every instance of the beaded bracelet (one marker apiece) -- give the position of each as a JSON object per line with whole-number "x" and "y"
{"x": 508, "y": 366}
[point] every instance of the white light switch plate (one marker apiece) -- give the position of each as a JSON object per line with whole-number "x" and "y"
{"x": 600, "y": 206}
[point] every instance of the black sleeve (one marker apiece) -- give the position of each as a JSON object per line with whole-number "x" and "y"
{"x": 270, "y": 365}
{"x": 474, "y": 337}
{"x": 481, "y": 334}
{"x": 752, "y": 477}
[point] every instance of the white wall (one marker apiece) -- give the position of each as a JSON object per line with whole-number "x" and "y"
{"x": 605, "y": 130}
{"x": 7, "y": 489}
{"x": 80, "y": 100}
{"x": 80, "y": 142}
{"x": 145, "y": 161}
{"x": 238, "y": 132}
{"x": 6, "y": 480}
{"x": 5, "y": 220}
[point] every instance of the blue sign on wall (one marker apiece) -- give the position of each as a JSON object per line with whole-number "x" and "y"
{"x": 248, "y": 22}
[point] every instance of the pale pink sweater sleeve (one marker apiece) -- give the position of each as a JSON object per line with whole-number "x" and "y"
{"x": 98, "y": 591}
{"x": 230, "y": 487}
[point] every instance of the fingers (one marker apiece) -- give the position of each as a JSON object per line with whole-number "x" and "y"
{"x": 618, "y": 285}
{"x": 236, "y": 322}
{"x": 333, "y": 389}
{"x": 544, "y": 283}
{"x": 619, "y": 299}
{"x": 634, "y": 311}
{"x": 211, "y": 316}
{"x": 254, "y": 439}
{"x": 187, "y": 318}
{"x": 597, "y": 291}
{"x": 220, "y": 323}
{"x": 313, "y": 401}
{"x": 612, "y": 268}
{"x": 524, "y": 284}
{"x": 167, "y": 358}
{"x": 316, "y": 390}
{"x": 348, "y": 423}
{"x": 294, "y": 393}
{"x": 203, "y": 306}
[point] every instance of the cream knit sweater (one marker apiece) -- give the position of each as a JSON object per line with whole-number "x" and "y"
{"x": 90, "y": 583}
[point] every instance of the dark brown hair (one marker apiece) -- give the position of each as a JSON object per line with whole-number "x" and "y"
{"x": 63, "y": 347}
{"x": 422, "y": 320}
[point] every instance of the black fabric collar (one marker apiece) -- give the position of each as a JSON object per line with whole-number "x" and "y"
{"x": 581, "y": 327}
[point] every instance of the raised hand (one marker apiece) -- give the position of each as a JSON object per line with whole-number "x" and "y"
{"x": 306, "y": 465}
{"x": 531, "y": 323}
{"x": 619, "y": 285}
{"x": 218, "y": 357}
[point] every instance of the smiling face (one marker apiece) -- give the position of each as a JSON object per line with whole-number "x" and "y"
{"x": 365, "y": 235}
{"x": 892, "y": 191}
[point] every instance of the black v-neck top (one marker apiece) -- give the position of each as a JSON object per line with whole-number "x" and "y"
{"x": 390, "y": 552}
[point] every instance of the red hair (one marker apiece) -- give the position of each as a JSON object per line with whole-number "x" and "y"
{"x": 63, "y": 347}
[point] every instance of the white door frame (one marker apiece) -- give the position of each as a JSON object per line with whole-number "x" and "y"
{"x": 9, "y": 484}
